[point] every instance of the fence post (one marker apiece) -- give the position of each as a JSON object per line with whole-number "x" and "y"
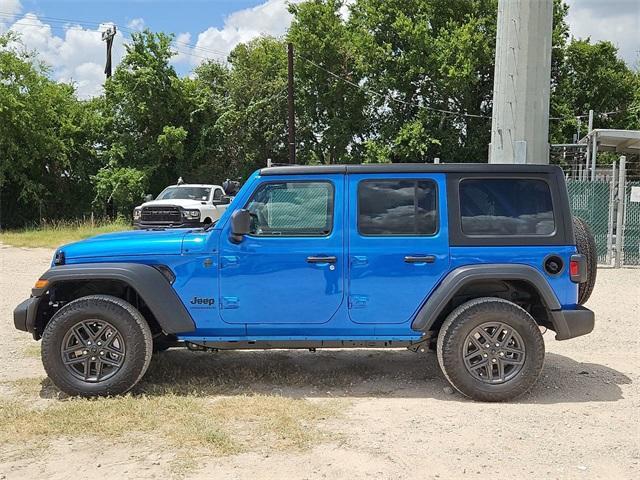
{"x": 620, "y": 217}
{"x": 612, "y": 206}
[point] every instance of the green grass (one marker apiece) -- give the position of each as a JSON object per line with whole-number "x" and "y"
{"x": 189, "y": 424}
{"x": 52, "y": 235}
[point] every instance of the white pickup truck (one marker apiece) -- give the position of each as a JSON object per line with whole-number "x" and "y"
{"x": 183, "y": 205}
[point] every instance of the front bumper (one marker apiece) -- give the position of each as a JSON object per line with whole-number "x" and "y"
{"x": 573, "y": 323}
{"x": 185, "y": 223}
{"x": 25, "y": 314}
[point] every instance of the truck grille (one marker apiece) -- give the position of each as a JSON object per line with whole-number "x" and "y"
{"x": 161, "y": 214}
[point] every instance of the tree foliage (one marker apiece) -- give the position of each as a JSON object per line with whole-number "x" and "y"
{"x": 375, "y": 81}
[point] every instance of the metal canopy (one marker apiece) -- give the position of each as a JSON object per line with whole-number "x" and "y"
{"x": 619, "y": 141}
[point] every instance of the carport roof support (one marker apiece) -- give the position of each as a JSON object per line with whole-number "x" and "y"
{"x": 619, "y": 141}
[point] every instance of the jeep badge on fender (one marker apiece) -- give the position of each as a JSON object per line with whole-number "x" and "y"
{"x": 470, "y": 260}
{"x": 202, "y": 301}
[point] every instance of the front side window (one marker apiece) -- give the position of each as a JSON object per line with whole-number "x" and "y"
{"x": 292, "y": 209}
{"x": 397, "y": 207}
{"x": 217, "y": 194}
{"x": 185, "y": 193}
{"x": 506, "y": 207}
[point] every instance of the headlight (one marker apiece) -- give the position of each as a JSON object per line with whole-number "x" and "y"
{"x": 137, "y": 212}
{"x": 191, "y": 213}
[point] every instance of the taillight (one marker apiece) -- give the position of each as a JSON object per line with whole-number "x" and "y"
{"x": 574, "y": 268}
{"x": 578, "y": 268}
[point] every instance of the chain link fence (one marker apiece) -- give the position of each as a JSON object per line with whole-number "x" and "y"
{"x": 631, "y": 227}
{"x": 597, "y": 203}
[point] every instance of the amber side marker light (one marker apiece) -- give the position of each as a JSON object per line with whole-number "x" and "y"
{"x": 41, "y": 284}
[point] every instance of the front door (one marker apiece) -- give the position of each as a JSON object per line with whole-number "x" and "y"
{"x": 290, "y": 268}
{"x": 398, "y": 244}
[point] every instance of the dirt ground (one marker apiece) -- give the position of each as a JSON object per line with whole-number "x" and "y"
{"x": 400, "y": 420}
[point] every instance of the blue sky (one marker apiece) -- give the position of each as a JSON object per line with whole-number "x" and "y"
{"x": 170, "y": 16}
{"x": 66, "y": 33}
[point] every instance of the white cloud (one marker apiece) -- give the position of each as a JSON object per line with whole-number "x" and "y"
{"x": 269, "y": 18}
{"x": 77, "y": 56}
{"x": 617, "y": 21}
{"x": 8, "y": 10}
{"x": 136, "y": 24}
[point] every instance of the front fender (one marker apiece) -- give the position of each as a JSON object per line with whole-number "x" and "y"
{"x": 150, "y": 284}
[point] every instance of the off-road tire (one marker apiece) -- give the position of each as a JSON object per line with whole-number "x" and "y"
{"x": 586, "y": 245}
{"x": 470, "y": 315}
{"x": 129, "y": 323}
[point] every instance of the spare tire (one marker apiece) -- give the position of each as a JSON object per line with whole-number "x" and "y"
{"x": 586, "y": 245}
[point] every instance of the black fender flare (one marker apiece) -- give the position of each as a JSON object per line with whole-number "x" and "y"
{"x": 149, "y": 282}
{"x": 461, "y": 276}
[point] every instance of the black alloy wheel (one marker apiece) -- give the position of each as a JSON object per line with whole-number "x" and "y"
{"x": 93, "y": 350}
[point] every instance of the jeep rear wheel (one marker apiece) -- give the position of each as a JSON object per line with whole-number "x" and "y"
{"x": 490, "y": 349}
{"x": 96, "y": 345}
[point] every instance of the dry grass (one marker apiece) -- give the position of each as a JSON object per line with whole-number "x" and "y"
{"x": 189, "y": 423}
{"x": 54, "y": 234}
{"x": 32, "y": 350}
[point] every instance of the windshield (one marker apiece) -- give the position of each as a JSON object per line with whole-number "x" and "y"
{"x": 185, "y": 193}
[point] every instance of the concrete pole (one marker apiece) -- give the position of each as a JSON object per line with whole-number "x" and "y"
{"x": 620, "y": 207}
{"x": 520, "y": 122}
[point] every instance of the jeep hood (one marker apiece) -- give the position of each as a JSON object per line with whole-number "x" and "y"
{"x": 130, "y": 243}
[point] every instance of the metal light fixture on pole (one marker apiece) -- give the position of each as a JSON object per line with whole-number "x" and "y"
{"x": 521, "y": 91}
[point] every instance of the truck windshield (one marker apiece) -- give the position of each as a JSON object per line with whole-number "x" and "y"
{"x": 185, "y": 193}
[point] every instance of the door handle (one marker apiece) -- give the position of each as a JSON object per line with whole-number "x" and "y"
{"x": 313, "y": 259}
{"x": 420, "y": 258}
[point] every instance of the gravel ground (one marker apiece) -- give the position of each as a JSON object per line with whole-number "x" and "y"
{"x": 582, "y": 419}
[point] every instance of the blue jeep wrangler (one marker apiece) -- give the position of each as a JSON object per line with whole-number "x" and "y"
{"x": 472, "y": 260}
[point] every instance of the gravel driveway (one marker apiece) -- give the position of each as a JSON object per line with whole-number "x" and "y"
{"x": 582, "y": 420}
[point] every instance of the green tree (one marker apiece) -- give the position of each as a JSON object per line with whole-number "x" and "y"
{"x": 146, "y": 112}
{"x": 332, "y": 117}
{"x": 47, "y": 140}
{"x": 593, "y": 78}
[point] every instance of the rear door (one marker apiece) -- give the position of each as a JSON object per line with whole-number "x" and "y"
{"x": 398, "y": 246}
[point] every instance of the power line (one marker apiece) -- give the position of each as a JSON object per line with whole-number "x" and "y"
{"x": 391, "y": 97}
{"x": 90, "y": 25}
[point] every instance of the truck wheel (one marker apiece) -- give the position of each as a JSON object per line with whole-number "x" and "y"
{"x": 586, "y": 245}
{"x": 490, "y": 349}
{"x": 95, "y": 346}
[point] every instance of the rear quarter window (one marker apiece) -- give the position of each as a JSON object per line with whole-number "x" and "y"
{"x": 506, "y": 207}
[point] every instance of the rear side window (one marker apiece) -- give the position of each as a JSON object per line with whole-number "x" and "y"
{"x": 292, "y": 209}
{"x": 506, "y": 207}
{"x": 397, "y": 207}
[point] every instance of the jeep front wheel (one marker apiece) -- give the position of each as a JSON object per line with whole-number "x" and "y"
{"x": 95, "y": 346}
{"x": 490, "y": 349}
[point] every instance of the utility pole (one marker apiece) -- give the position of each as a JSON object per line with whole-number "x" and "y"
{"x": 107, "y": 36}
{"x": 521, "y": 89}
{"x": 291, "y": 105}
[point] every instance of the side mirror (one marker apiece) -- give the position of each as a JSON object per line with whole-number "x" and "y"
{"x": 148, "y": 197}
{"x": 224, "y": 200}
{"x": 240, "y": 225}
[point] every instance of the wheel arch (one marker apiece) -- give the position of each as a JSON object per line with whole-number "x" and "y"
{"x": 520, "y": 284}
{"x": 146, "y": 287}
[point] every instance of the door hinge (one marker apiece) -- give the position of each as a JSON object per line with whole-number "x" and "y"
{"x": 230, "y": 303}
{"x": 228, "y": 261}
{"x": 358, "y": 301}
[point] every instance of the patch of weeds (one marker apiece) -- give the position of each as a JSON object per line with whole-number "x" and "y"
{"x": 218, "y": 426}
{"x": 32, "y": 350}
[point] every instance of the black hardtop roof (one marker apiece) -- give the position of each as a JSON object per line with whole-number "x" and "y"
{"x": 411, "y": 168}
